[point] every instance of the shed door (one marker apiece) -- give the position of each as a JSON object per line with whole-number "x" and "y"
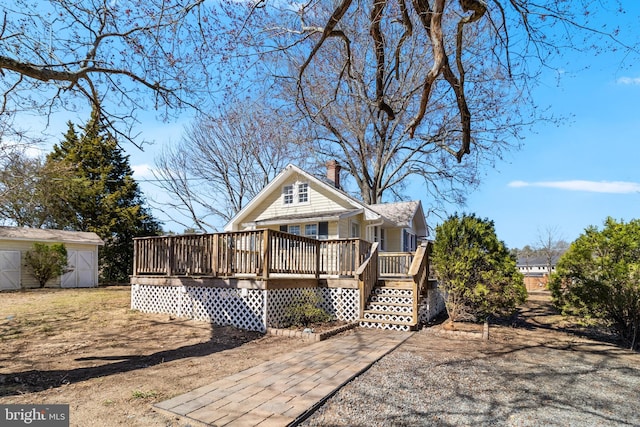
{"x": 9, "y": 270}
{"x": 83, "y": 265}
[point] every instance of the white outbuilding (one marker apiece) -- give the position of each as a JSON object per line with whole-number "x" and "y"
{"x": 82, "y": 254}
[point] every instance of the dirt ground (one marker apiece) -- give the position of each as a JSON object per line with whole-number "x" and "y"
{"x": 110, "y": 364}
{"x": 88, "y": 349}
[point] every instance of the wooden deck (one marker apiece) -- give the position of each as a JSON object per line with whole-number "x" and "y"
{"x": 270, "y": 259}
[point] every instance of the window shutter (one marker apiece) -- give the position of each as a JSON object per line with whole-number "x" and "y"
{"x": 323, "y": 228}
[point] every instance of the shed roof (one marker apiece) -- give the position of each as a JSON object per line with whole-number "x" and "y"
{"x": 46, "y": 235}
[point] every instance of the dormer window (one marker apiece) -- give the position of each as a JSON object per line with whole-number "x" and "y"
{"x": 297, "y": 193}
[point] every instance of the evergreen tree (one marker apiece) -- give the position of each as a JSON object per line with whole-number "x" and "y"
{"x": 103, "y": 197}
{"x": 475, "y": 270}
{"x": 599, "y": 277}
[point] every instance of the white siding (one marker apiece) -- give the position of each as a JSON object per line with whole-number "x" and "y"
{"x": 319, "y": 201}
{"x": 83, "y": 265}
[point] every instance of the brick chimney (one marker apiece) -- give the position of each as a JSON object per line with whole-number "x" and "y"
{"x": 333, "y": 172}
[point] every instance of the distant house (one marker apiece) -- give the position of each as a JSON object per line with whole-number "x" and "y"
{"x": 536, "y": 271}
{"x": 300, "y": 203}
{"x": 82, "y": 254}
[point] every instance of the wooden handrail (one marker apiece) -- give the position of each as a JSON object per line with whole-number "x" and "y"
{"x": 367, "y": 275}
{"x": 419, "y": 272}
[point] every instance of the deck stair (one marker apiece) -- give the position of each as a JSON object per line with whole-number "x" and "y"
{"x": 390, "y": 306}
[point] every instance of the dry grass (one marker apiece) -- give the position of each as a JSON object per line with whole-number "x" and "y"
{"x": 87, "y": 348}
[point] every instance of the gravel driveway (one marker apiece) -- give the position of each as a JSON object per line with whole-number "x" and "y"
{"x": 530, "y": 375}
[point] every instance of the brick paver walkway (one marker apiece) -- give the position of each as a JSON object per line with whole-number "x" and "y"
{"x": 282, "y": 391}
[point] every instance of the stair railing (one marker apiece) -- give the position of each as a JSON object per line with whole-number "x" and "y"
{"x": 367, "y": 275}
{"x": 419, "y": 272}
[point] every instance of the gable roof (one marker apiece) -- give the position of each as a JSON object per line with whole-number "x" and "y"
{"x": 46, "y": 235}
{"x": 536, "y": 261}
{"x": 277, "y": 182}
{"x": 400, "y": 214}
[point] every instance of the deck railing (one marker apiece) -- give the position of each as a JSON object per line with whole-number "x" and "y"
{"x": 395, "y": 263}
{"x": 419, "y": 272}
{"x": 367, "y": 275}
{"x": 257, "y": 253}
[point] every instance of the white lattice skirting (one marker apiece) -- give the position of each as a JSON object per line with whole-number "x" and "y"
{"x": 250, "y": 309}
{"x": 431, "y": 306}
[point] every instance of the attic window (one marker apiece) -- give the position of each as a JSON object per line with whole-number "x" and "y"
{"x": 303, "y": 192}
{"x": 287, "y": 194}
{"x": 297, "y": 193}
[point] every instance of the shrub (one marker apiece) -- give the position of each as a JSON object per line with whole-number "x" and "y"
{"x": 599, "y": 277}
{"x": 475, "y": 270}
{"x": 306, "y": 309}
{"x": 46, "y": 261}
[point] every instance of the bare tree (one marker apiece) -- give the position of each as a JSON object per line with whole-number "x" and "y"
{"x": 223, "y": 161}
{"x": 378, "y": 150}
{"x": 430, "y": 88}
{"x": 550, "y": 245}
{"x": 122, "y": 57}
{"x": 32, "y": 192}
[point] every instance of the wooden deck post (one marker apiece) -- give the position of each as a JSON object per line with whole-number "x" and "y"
{"x": 214, "y": 254}
{"x": 317, "y": 259}
{"x": 169, "y": 264}
{"x": 136, "y": 251}
{"x": 419, "y": 273}
{"x": 266, "y": 254}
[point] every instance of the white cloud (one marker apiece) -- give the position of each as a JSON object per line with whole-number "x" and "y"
{"x": 628, "y": 81}
{"x": 613, "y": 187}
{"x": 142, "y": 171}
{"x": 33, "y": 152}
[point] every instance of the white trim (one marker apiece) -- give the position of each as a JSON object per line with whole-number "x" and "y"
{"x": 284, "y": 195}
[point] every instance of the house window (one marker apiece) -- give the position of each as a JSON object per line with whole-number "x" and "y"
{"x": 382, "y": 245}
{"x": 303, "y": 192}
{"x": 355, "y": 229}
{"x": 293, "y": 194}
{"x": 311, "y": 230}
{"x": 287, "y": 194}
{"x": 294, "y": 229}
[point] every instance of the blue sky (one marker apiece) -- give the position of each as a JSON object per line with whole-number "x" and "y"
{"x": 565, "y": 177}
{"x": 575, "y": 175}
